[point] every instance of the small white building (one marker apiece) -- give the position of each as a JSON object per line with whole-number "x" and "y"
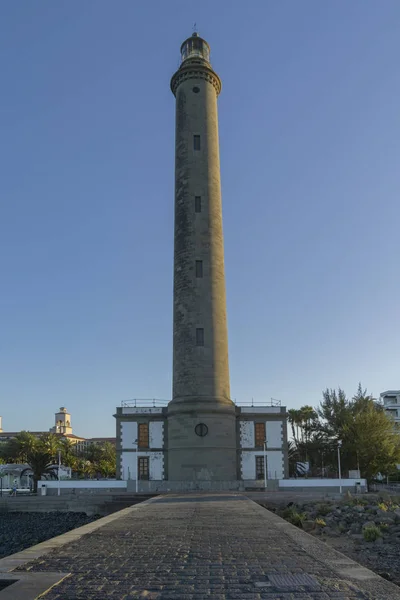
{"x": 391, "y": 403}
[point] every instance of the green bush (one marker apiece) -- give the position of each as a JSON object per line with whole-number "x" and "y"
{"x": 360, "y": 502}
{"x": 293, "y": 516}
{"x": 350, "y": 500}
{"x": 371, "y": 533}
{"x": 323, "y": 509}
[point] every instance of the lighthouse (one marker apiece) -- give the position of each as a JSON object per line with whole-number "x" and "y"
{"x": 201, "y": 420}
{"x": 200, "y": 439}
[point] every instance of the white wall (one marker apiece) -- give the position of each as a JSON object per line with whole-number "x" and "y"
{"x": 274, "y": 464}
{"x": 157, "y": 466}
{"x": 156, "y": 434}
{"x": 129, "y": 462}
{"x": 84, "y": 483}
{"x": 249, "y": 464}
{"x": 129, "y": 433}
{"x": 247, "y": 434}
{"x": 301, "y": 483}
{"x": 274, "y": 434}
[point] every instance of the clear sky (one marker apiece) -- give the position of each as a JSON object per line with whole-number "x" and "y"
{"x": 310, "y": 152}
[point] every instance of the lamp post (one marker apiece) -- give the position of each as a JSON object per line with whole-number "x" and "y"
{"x": 136, "y": 461}
{"x": 58, "y": 472}
{"x": 339, "y": 444}
{"x": 265, "y": 464}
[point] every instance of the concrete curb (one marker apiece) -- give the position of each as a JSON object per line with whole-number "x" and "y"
{"x": 30, "y": 586}
{"x": 357, "y": 576}
{"x": 9, "y": 563}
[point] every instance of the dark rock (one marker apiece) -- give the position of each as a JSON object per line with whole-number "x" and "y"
{"x": 22, "y": 530}
{"x": 385, "y": 575}
{"x": 368, "y": 524}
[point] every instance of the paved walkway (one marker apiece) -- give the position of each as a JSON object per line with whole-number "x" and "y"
{"x": 193, "y": 547}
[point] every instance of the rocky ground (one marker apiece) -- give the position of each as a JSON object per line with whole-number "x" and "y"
{"x": 367, "y": 529}
{"x": 22, "y": 530}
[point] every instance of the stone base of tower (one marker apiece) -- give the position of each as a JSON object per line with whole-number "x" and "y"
{"x": 202, "y": 443}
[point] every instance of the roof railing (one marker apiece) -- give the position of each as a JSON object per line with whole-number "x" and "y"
{"x": 155, "y": 402}
{"x": 140, "y": 402}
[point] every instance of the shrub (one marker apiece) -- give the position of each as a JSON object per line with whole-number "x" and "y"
{"x": 351, "y": 501}
{"x": 360, "y": 502}
{"x": 323, "y": 509}
{"x": 293, "y": 516}
{"x": 320, "y": 522}
{"x": 383, "y": 506}
{"x": 371, "y": 533}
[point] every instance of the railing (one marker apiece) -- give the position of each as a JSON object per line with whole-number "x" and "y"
{"x": 138, "y": 402}
{"x": 154, "y": 402}
{"x": 271, "y": 402}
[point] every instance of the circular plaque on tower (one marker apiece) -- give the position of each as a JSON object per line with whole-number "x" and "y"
{"x": 201, "y": 429}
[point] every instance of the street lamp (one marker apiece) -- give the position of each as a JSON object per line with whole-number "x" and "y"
{"x": 339, "y": 444}
{"x": 137, "y": 470}
{"x": 58, "y": 472}
{"x": 265, "y": 464}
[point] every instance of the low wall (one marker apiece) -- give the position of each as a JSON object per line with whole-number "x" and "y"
{"x": 323, "y": 485}
{"x": 91, "y": 487}
{"x": 193, "y": 486}
{"x": 81, "y": 486}
{"x": 184, "y": 486}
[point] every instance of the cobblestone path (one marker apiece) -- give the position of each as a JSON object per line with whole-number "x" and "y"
{"x": 193, "y": 547}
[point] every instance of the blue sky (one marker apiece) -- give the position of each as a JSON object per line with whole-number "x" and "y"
{"x": 310, "y": 149}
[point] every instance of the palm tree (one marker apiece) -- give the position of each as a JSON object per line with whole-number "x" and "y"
{"x": 39, "y": 453}
{"x": 292, "y": 417}
{"x": 68, "y": 452}
{"x": 16, "y": 449}
{"x": 40, "y": 463}
{"x": 308, "y": 416}
{"x": 51, "y": 444}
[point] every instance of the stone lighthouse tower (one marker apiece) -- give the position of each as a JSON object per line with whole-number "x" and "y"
{"x": 201, "y": 416}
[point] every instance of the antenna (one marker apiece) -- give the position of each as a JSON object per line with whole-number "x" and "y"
{"x": 194, "y": 27}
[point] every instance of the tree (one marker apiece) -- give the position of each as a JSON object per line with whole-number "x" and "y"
{"x": 68, "y": 453}
{"x": 98, "y": 459}
{"x": 39, "y": 453}
{"x": 369, "y": 439}
{"x": 333, "y": 412}
{"x": 16, "y": 449}
{"x": 293, "y": 458}
{"x": 293, "y": 417}
{"x": 373, "y": 438}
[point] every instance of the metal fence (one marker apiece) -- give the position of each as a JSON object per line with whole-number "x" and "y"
{"x": 141, "y": 402}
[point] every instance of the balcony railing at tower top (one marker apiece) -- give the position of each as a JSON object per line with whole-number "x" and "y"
{"x": 157, "y": 403}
